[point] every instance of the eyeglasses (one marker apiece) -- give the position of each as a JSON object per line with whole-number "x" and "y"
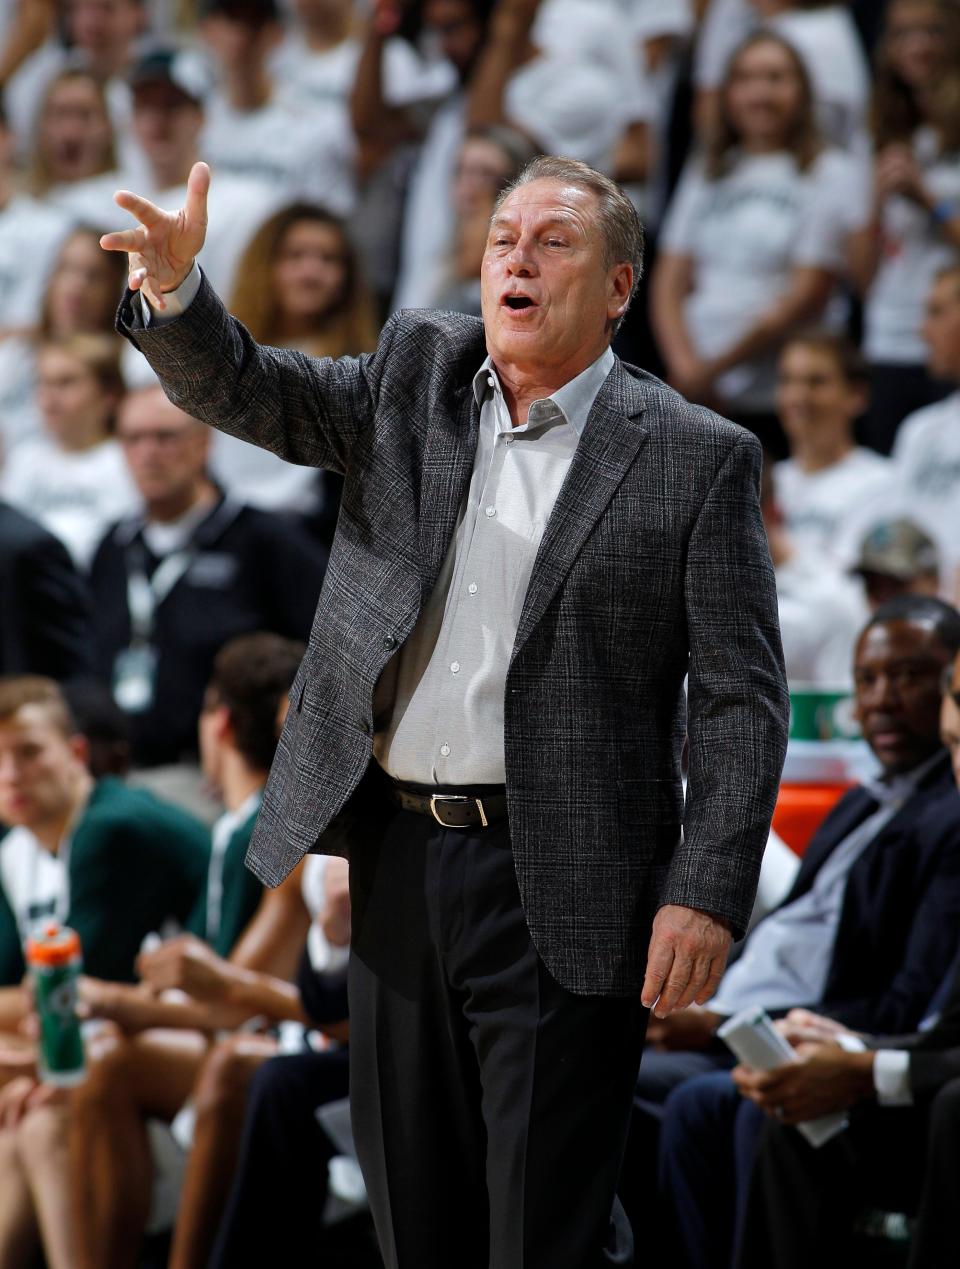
{"x": 165, "y": 438}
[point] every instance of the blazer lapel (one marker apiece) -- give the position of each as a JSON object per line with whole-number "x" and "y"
{"x": 447, "y": 467}
{"x": 610, "y": 442}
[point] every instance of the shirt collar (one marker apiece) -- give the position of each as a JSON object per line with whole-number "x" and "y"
{"x": 899, "y": 788}
{"x": 574, "y": 400}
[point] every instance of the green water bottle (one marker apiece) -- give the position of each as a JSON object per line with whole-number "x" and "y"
{"x": 53, "y": 958}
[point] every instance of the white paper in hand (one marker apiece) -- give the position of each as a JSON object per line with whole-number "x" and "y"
{"x": 753, "y": 1039}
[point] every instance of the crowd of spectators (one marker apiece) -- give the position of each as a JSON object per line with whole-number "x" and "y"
{"x": 797, "y": 167}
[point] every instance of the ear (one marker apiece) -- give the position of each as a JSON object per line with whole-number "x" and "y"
{"x": 223, "y": 723}
{"x": 859, "y": 399}
{"x": 620, "y": 280}
{"x": 80, "y": 748}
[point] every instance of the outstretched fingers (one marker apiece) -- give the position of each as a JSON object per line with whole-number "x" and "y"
{"x": 146, "y": 212}
{"x": 129, "y": 240}
{"x": 198, "y": 186}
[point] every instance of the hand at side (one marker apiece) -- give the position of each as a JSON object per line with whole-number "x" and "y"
{"x": 686, "y": 959}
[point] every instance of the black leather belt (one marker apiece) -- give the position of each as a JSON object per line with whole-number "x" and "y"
{"x": 452, "y": 810}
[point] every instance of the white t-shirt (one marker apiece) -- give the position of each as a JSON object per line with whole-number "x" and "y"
{"x": 312, "y": 81}
{"x": 19, "y": 416}
{"x": 726, "y": 24}
{"x": 325, "y": 958}
{"x": 77, "y": 496}
{"x": 34, "y": 881}
{"x": 926, "y": 466}
{"x": 821, "y": 615}
{"x": 575, "y": 106}
{"x": 31, "y": 235}
{"x": 914, "y": 251}
{"x": 260, "y": 479}
{"x": 745, "y": 233}
{"x": 294, "y": 152}
{"x": 828, "y": 512}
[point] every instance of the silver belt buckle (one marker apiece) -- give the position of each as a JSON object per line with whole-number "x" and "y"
{"x": 461, "y": 799}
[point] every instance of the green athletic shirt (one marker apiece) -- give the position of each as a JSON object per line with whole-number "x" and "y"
{"x": 135, "y": 863}
{"x": 240, "y": 890}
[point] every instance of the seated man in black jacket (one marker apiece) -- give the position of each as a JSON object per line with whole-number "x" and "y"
{"x": 44, "y": 606}
{"x": 732, "y": 1178}
{"x": 871, "y": 920}
{"x": 903, "y": 1095}
{"x": 195, "y": 570}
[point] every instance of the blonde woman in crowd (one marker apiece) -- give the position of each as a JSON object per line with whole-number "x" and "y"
{"x": 300, "y": 287}
{"x": 914, "y": 224}
{"x": 754, "y": 240}
{"x": 82, "y": 293}
{"x": 73, "y": 479}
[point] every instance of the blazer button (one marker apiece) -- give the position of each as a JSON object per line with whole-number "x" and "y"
{"x": 390, "y": 642}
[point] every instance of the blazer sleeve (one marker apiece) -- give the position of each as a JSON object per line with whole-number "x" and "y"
{"x": 738, "y": 706}
{"x": 308, "y": 410}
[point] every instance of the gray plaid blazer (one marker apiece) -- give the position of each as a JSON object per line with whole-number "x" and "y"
{"x": 653, "y": 565}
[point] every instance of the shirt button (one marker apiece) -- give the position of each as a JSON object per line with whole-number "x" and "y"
{"x": 509, "y": 439}
{"x": 491, "y": 381}
{"x": 445, "y": 751}
{"x": 472, "y": 588}
{"x": 490, "y": 512}
{"x": 455, "y": 667}
{"x": 390, "y": 642}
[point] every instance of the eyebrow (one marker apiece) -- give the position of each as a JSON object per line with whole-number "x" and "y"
{"x": 558, "y": 218}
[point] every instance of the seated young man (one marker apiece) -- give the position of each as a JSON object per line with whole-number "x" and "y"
{"x": 162, "y": 1051}
{"x": 114, "y": 863}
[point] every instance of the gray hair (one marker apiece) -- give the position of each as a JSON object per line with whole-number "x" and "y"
{"x": 619, "y": 221}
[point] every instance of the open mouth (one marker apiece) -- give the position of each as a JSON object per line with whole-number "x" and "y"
{"x": 517, "y": 303}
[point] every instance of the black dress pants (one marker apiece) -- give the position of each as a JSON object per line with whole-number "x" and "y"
{"x": 490, "y": 1105}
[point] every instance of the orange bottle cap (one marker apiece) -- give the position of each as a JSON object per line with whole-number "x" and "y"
{"x": 58, "y": 945}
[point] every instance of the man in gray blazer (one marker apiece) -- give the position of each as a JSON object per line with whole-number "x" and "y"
{"x": 537, "y": 544}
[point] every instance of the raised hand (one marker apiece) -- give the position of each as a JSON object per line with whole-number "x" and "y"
{"x": 163, "y": 246}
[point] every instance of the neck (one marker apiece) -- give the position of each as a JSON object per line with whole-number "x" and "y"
{"x": 168, "y": 173}
{"x": 293, "y": 327}
{"x": 51, "y": 833}
{"x": 82, "y": 440}
{"x": 523, "y": 385}
{"x": 762, "y": 145}
{"x": 238, "y": 780}
{"x": 822, "y": 448}
{"x": 175, "y": 505}
{"x": 247, "y": 87}
{"x": 110, "y": 62}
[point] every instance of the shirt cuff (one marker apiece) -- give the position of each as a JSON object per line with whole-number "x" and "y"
{"x": 178, "y": 301}
{"x": 891, "y": 1077}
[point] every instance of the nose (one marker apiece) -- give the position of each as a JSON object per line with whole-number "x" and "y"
{"x": 520, "y": 261}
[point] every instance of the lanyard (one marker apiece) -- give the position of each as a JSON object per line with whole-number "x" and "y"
{"x": 146, "y": 594}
